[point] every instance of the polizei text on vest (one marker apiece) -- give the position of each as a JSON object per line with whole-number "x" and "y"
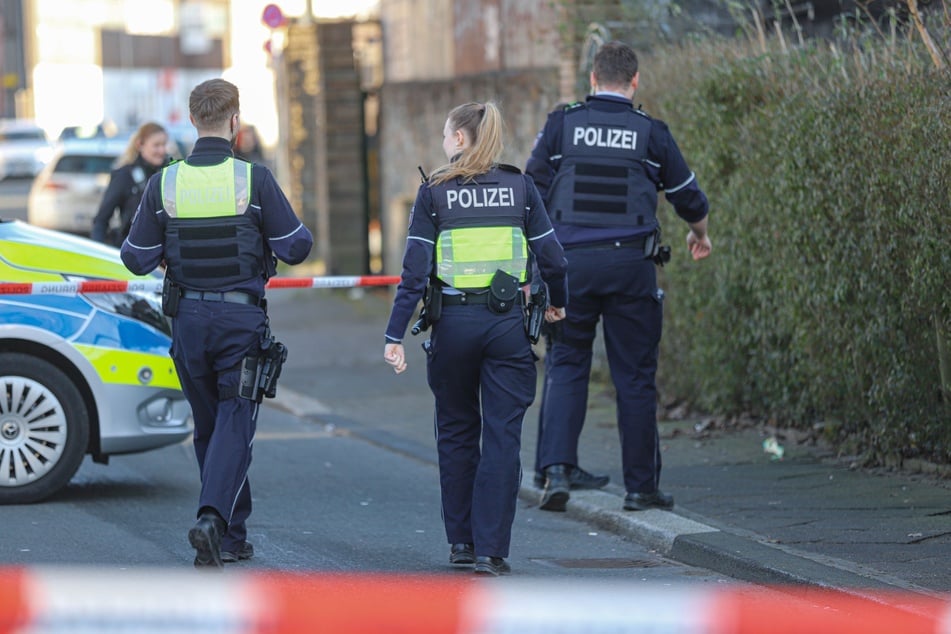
{"x": 617, "y": 138}
{"x": 480, "y": 197}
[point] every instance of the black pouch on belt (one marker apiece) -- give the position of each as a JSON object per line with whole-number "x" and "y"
{"x": 503, "y": 292}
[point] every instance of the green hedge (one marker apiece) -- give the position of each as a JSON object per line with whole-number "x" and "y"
{"x": 829, "y": 287}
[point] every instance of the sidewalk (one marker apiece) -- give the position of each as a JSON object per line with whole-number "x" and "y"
{"x": 806, "y": 519}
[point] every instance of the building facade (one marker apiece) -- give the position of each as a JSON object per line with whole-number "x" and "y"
{"x": 85, "y": 62}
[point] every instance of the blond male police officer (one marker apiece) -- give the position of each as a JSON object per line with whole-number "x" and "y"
{"x": 217, "y": 223}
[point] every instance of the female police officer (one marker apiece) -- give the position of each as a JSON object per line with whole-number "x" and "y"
{"x": 471, "y": 227}
{"x": 144, "y": 156}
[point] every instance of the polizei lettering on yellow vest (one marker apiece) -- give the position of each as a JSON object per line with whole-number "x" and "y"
{"x": 617, "y": 138}
{"x": 202, "y": 196}
{"x": 474, "y": 197}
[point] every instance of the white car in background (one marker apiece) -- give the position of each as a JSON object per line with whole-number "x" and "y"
{"x": 24, "y": 148}
{"x": 65, "y": 195}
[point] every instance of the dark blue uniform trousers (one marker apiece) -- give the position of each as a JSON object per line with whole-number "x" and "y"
{"x": 620, "y": 286}
{"x": 209, "y": 340}
{"x": 482, "y": 372}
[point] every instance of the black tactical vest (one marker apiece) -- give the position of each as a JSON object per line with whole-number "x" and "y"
{"x": 602, "y": 181}
{"x": 210, "y": 252}
{"x": 495, "y": 200}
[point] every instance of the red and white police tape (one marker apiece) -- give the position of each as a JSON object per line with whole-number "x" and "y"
{"x": 86, "y": 600}
{"x": 150, "y": 286}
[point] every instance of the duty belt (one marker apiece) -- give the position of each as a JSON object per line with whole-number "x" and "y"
{"x": 235, "y": 297}
{"x": 634, "y": 243}
{"x": 464, "y": 299}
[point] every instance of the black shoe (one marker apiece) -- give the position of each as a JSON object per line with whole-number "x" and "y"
{"x": 556, "y": 493}
{"x": 462, "y": 554}
{"x": 578, "y": 478}
{"x": 494, "y": 566}
{"x": 205, "y": 538}
{"x": 644, "y": 501}
{"x": 246, "y": 551}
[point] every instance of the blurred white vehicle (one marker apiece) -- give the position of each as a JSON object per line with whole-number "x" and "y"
{"x": 24, "y": 148}
{"x": 66, "y": 194}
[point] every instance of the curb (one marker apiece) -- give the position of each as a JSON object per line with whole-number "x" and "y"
{"x": 745, "y": 558}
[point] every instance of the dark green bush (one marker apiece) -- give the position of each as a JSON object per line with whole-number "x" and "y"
{"x": 829, "y": 288}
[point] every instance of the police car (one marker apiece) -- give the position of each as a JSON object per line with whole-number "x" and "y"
{"x": 79, "y": 373}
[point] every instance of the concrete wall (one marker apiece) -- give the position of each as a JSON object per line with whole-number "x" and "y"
{"x": 412, "y": 118}
{"x": 440, "y": 53}
{"x": 429, "y": 40}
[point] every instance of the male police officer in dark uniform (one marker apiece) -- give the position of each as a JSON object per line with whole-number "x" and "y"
{"x": 599, "y": 165}
{"x": 217, "y": 223}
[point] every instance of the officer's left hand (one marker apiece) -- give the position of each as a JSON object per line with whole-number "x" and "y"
{"x": 393, "y": 354}
{"x": 553, "y": 314}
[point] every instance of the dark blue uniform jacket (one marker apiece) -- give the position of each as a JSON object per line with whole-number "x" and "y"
{"x": 666, "y": 167}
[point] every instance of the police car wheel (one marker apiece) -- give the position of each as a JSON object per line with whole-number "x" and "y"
{"x": 44, "y": 428}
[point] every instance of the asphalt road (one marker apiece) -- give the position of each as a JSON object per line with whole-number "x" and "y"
{"x": 325, "y": 500}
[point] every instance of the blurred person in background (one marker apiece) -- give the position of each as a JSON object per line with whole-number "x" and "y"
{"x": 145, "y": 155}
{"x": 247, "y": 145}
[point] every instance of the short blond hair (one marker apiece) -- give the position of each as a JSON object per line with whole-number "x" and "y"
{"x": 212, "y": 103}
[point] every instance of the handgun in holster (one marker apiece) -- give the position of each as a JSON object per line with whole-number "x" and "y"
{"x": 259, "y": 373}
{"x": 431, "y": 311}
{"x": 535, "y": 311}
{"x": 654, "y": 250}
{"x": 274, "y": 355}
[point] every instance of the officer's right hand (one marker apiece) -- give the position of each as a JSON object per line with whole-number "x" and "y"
{"x": 553, "y": 314}
{"x": 699, "y": 247}
{"x": 393, "y": 354}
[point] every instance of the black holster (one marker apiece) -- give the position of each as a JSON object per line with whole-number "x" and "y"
{"x": 171, "y": 295}
{"x": 654, "y": 250}
{"x": 535, "y": 311}
{"x": 259, "y": 374}
{"x": 431, "y": 311}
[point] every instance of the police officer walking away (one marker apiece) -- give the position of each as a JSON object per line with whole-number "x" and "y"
{"x": 599, "y": 165}
{"x": 471, "y": 229}
{"x": 217, "y": 224}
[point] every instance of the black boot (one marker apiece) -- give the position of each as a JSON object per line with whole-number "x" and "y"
{"x": 205, "y": 538}
{"x": 578, "y": 478}
{"x": 556, "y": 493}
